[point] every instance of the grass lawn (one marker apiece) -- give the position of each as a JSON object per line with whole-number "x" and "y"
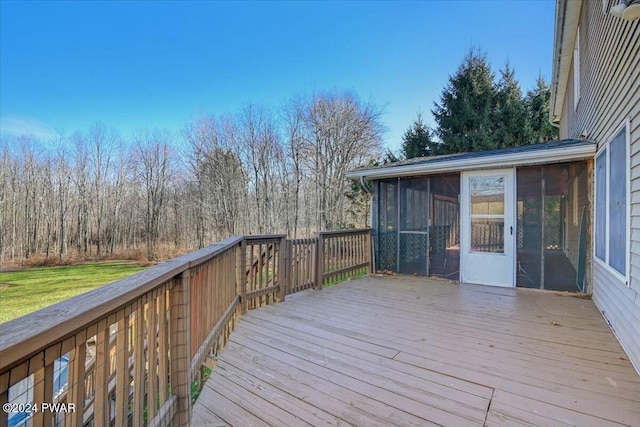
{"x": 28, "y": 290}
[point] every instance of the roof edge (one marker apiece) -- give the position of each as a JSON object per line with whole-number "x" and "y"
{"x": 527, "y": 158}
{"x": 566, "y": 26}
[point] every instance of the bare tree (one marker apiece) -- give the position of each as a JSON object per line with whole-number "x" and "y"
{"x": 101, "y": 141}
{"x": 293, "y": 116}
{"x": 255, "y": 171}
{"x": 154, "y": 170}
{"x": 257, "y": 136}
{"x": 63, "y": 194}
{"x": 217, "y": 179}
{"x": 340, "y": 133}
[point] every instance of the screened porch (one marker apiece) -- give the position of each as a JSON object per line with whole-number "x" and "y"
{"x": 417, "y": 224}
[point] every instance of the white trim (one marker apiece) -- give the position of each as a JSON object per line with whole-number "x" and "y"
{"x": 576, "y": 71}
{"x": 626, "y": 278}
{"x": 566, "y": 23}
{"x": 527, "y": 158}
{"x": 628, "y": 183}
{"x": 509, "y": 255}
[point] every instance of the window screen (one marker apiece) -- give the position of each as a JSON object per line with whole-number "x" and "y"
{"x": 618, "y": 203}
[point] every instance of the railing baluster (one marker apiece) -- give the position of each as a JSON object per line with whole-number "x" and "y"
{"x": 76, "y": 394}
{"x": 101, "y": 396}
{"x": 43, "y": 392}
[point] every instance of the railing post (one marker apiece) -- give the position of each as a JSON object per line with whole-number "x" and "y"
{"x": 180, "y": 347}
{"x": 369, "y": 249}
{"x": 319, "y": 261}
{"x": 241, "y": 273}
{"x": 283, "y": 269}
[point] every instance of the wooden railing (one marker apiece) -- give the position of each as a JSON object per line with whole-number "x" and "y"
{"x": 129, "y": 353}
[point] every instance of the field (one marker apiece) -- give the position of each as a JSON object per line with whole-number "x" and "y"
{"x": 27, "y": 290}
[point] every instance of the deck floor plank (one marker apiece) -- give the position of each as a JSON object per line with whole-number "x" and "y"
{"x": 306, "y": 334}
{"x": 434, "y": 403}
{"x": 402, "y": 350}
{"x": 482, "y": 350}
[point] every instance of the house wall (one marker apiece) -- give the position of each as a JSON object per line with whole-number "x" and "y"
{"x": 609, "y": 94}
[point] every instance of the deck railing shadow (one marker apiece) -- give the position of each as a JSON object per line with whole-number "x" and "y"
{"x": 134, "y": 352}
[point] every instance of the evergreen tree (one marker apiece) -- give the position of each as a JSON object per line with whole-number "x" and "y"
{"x": 511, "y": 123}
{"x": 537, "y": 104}
{"x": 466, "y": 109}
{"x": 417, "y": 140}
{"x": 389, "y": 157}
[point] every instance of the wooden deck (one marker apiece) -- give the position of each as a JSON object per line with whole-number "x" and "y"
{"x": 410, "y": 351}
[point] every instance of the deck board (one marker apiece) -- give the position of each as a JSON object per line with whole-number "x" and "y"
{"x": 402, "y": 350}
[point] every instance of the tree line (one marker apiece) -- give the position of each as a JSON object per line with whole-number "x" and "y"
{"x": 260, "y": 170}
{"x": 478, "y": 112}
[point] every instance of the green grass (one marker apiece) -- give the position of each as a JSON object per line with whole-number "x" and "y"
{"x": 335, "y": 280}
{"x": 30, "y": 289}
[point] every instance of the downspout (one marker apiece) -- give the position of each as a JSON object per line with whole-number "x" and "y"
{"x": 363, "y": 185}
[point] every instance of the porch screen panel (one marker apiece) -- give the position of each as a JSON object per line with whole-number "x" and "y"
{"x": 414, "y": 226}
{"x": 551, "y": 208}
{"x": 444, "y": 232}
{"x": 530, "y": 213}
{"x": 387, "y": 232}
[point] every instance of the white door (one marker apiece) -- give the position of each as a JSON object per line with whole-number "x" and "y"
{"x": 487, "y": 217}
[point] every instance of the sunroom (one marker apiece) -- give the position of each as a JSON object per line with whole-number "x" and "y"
{"x": 509, "y": 217}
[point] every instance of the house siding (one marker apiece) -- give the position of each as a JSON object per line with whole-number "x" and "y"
{"x": 609, "y": 94}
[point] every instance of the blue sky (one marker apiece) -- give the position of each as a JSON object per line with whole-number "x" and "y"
{"x": 147, "y": 64}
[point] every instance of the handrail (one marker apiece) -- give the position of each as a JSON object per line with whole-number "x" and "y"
{"x": 340, "y": 232}
{"x": 18, "y": 343}
{"x": 163, "y": 324}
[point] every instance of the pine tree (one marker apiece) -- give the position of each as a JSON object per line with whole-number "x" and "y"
{"x": 417, "y": 140}
{"x": 537, "y": 104}
{"x": 466, "y": 109}
{"x": 511, "y": 122}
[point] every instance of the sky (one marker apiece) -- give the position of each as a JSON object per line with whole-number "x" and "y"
{"x": 159, "y": 64}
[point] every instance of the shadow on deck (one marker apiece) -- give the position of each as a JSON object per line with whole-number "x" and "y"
{"x": 412, "y": 351}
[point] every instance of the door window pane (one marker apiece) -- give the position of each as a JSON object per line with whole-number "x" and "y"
{"x": 487, "y": 235}
{"x": 487, "y": 195}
